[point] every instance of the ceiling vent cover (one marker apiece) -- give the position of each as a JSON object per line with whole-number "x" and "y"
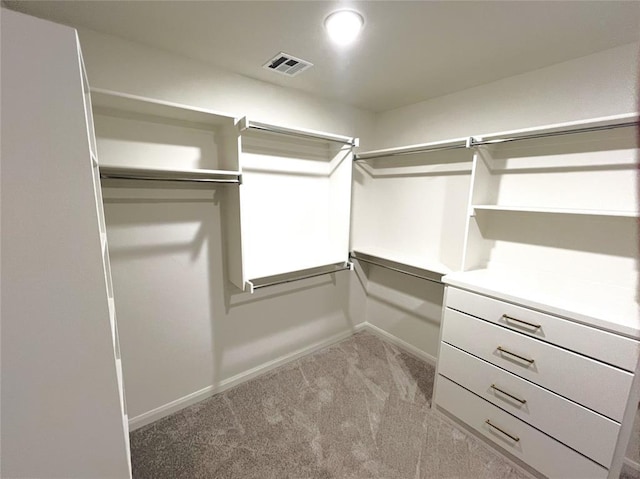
{"x": 287, "y": 64}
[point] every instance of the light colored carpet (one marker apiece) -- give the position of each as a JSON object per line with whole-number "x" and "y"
{"x": 359, "y": 409}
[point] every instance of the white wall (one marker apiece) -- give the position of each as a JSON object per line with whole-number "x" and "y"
{"x": 124, "y": 66}
{"x": 184, "y": 329}
{"x": 597, "y": 85}
{"x": 601, "y": 84}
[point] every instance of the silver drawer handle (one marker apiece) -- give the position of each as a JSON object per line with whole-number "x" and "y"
{"x": 506, "y": 351}
{"x": 526, "y": 323}
{"x": 511, "y": 436}
{"x": 521, "y": 401}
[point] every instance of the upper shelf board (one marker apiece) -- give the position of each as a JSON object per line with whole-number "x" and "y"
{"x": 432, "y": 273}
{"x": 411, "y": 149}
{"x": 110, "y": 100}
{"x": 627, "y": 119}
{"x": 427, "y": 269}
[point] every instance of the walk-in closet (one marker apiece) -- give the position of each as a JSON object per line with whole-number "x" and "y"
{"x": 242, "y": 241}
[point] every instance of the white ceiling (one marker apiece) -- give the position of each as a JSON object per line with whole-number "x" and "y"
{"x": 409, "y": 51}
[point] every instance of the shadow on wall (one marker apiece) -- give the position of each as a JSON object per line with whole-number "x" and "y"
{"x": 408, "y": 308}
{"x": 183, "y": 325}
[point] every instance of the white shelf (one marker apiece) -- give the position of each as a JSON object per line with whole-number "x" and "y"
{"x": 568, "y": 211}
{"x": 412, "y": 149}
{"x": 153, "y": 138}
{"x": 107, "y": 274}
{"x": 596, "y": 304}
{"x": 112, "y": 318}
{"x": 246, "y": 124}
{"x": 426, "y": 264}
{"x": 103, "y": 242}
{"x": 121, "y": 384}
{"x": 123, "y": 102}
{"x": 114, "y": 327}
{"x": 567, "y": 127}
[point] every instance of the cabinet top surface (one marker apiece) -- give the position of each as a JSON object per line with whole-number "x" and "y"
{"x": 601, "y": 305}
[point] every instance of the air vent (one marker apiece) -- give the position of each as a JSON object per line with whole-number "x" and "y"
{"x": 287, "y": 64}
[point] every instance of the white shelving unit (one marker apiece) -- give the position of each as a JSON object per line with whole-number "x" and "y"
{"x": 147, "y": 147}
{"x": 392, "y": 184}
{"x": 550, "y": 258}
{"x": 97, "y": 187}
{"x": 155, "y": 139}
{"x": 542, "y": 264}
{"x": 58, "y": 310}
{"x": 291, "y": 214}
{"x": 563, "y": 206}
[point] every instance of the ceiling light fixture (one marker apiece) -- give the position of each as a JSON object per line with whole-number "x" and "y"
{"x": 344, "y": 26}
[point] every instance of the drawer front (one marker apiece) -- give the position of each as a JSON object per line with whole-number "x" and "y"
{"x": 541, "y": 452}
{"x": 596, "y": 435}
{"x": 596, "y": 385}
{"x": 608, "y": 347}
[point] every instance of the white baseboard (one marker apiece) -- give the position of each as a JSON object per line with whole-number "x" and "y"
{"x": 410, "y": 348}
{"x": 632, "y": 464}
{"x": 197, "y": 396}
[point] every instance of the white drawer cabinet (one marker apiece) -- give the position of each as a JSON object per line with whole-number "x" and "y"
{"x": 594, "y": 384}
{"x": 561, "y": 387}
{"x": 548, "y": 456}
{"x": 545, "y": 410}
{"x": 608, "y": 347}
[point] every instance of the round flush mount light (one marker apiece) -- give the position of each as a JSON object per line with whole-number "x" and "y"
{"x": 343, "y": 26}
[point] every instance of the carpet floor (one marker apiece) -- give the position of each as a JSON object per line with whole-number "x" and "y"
{"x": 358, "y": 409}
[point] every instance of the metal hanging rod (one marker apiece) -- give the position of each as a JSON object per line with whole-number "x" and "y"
{"x": 393, "y": 268}
{"x": 190, "y": 176}
{"x": 187, "y": 180}
{"x": 410, "y": 150}
{"x": 347, "y": 266}
{"x": 471, "y": 142}
{"x": 533, "y": 136}
{"x": 246, "y": 124}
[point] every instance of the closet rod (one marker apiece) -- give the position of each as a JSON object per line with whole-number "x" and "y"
{"x": 408, "y": 273}
{"x": 245, "y": 124}
{"x": 185, "y": 175}
{"x": 157, "y": 178}
{"x": 347, "y": 266}
{"x": 533, "y": 136}
{"x": 410, "y": 150}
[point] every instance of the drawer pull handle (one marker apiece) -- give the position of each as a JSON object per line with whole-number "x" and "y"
{"x": 511, "y": 436}
{"x": 515, "y": 398}
{"x": 526, "y": 323}
{"x": 506, "y": 351}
